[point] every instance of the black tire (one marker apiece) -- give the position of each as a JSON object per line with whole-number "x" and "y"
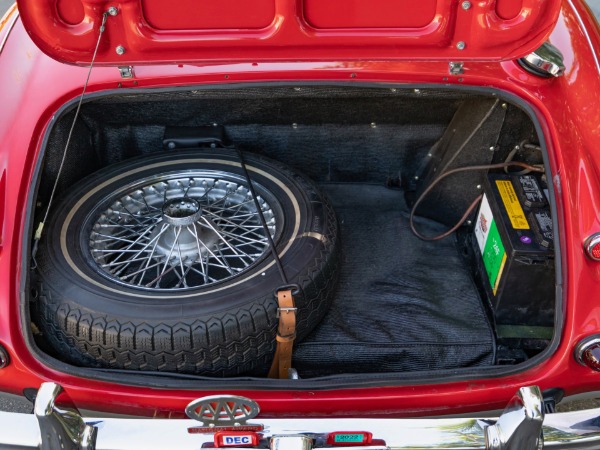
{"x": 225, "y": 328}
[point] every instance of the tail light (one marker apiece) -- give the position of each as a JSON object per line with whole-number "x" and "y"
{"x": 592, "y": 246}
{"x": 587, "y": 352}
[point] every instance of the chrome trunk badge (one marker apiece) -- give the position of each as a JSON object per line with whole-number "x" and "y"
{"x": 223, "y": 413}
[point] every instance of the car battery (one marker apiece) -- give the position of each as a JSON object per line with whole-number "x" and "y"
{"x": 514, "y": 248}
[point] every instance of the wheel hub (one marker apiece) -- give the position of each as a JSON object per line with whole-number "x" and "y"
{"x": 184, "y": 236}
{"x": 181, "y": 211}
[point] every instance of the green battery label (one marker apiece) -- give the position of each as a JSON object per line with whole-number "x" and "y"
{"x": 345, "y": 438}
{"x": 490, "y": 244}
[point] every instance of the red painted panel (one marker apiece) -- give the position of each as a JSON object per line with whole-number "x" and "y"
{"x": 508, "y": 9}
{"x": 208, "y": 14}
{"x": 369, "y": 13}
{"x": 156, "y": 31}
{"x": 70, "y": 11}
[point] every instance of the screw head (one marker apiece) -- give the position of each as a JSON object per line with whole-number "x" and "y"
{"x": 466, "y": 5}
{"x": 120, "y": 50}
{"x": 461, "y": 45}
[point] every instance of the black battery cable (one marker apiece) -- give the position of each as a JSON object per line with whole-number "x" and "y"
{"x": 475, "y": 202}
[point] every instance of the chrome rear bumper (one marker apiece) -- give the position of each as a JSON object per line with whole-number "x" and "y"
{"x": 522, "y": 426}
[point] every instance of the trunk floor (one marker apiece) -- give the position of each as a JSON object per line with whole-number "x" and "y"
{"x": 402, "y": 304}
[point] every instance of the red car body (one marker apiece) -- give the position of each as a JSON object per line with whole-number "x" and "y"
{"x": 34, "y": 86}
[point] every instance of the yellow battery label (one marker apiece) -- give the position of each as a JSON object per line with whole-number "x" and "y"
{"x": 512, "y": 205}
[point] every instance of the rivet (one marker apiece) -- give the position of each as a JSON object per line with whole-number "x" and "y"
{"x": 373, "y": 125}
{"x": 113, "y": 11}
{"x": 120, "y": 50}
{"x": 492, "y": 148}
{"x": 294, "y": 125}
{"x": 504, "y": 106}
{"x": 466, "y": 5}
{"x": 469, "y": 222}
{"x": 393, "y": 90}
{"x": 352, "y": 75}
{"x": 171, "y": 145}
{"x": 297, "y": 89}
{"x": 416, "y": 177}
{"x": 461, "y": 45}
{"x": 478, "y": 186}
{"x": 417, "y": 91}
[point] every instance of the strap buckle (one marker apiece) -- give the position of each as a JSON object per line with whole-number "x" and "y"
{"x": 285, "y": 310}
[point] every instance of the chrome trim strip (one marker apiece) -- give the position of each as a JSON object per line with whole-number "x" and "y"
{"x": 517, "y": 428}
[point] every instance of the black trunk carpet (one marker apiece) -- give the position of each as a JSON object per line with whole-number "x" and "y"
{"x": 402, "y": 304}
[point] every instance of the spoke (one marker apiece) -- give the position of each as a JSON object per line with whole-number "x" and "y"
{"x": 219, "y": 235}
{"x": 155, "y": 238}
{"x": 162, "y": 274}
{"x": 177, "y": 232}
{"x": 207, "y": 249}
{"x": 150, "y": 256}
{"x": 143, "y": 270}
{"x": 184, "y": 278}
{"x": 183, "y": 272}
{"x": 205, "y": 275}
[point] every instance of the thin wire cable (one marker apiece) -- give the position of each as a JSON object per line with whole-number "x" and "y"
{"x": 40, "y": 228}
{"x": 472, "y": 206}
{"x": 262, "y": 219}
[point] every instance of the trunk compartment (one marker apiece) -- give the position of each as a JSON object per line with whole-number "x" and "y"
{"x": 402, "y": 304}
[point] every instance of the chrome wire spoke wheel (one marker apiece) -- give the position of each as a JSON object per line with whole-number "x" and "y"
{"x": 182, "y": 231}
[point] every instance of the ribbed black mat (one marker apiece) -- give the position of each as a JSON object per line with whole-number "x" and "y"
{"x": 402, "y": 304}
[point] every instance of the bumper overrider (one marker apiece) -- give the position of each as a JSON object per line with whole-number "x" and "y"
{"x": 522, "y": 426}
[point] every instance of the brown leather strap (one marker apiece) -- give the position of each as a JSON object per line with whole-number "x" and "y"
{"x": 286, "y": 333}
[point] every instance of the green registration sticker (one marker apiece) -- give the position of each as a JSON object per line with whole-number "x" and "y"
{"x": 346, "y": 438}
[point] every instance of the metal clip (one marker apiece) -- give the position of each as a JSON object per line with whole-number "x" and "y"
{"x": 456, "y": 68}
{"x": 126, "y": 71}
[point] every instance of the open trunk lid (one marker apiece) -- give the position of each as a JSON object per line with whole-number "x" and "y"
{"x": 204, "y": 31}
